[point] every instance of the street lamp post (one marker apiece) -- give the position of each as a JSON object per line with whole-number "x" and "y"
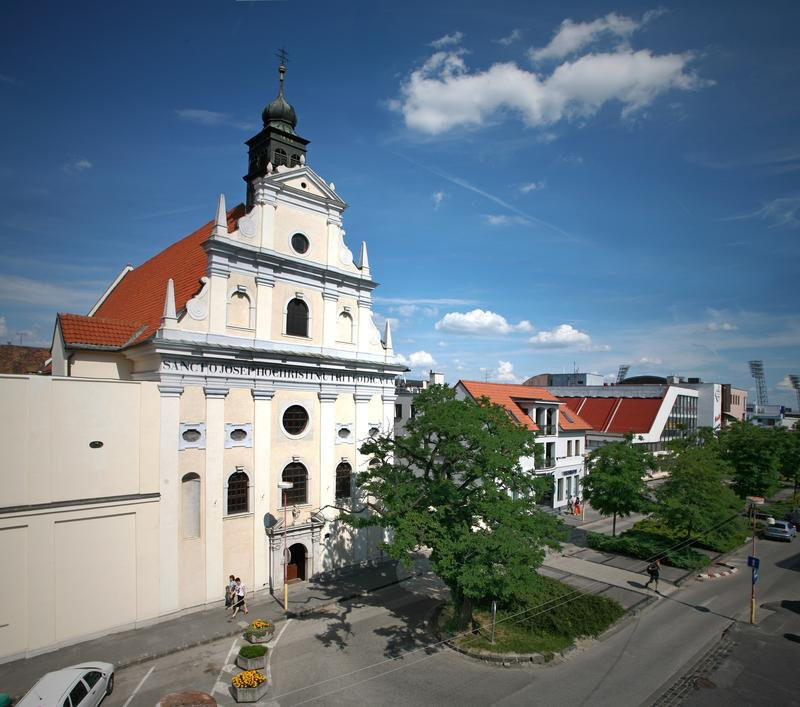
{"x": 285, "y": 486}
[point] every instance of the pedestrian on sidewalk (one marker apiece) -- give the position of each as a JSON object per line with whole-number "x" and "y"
{"x": 239, "y": 601}
{"x": 577, "y": 507}
{"x": 570, "y": 505}
{"x": 230, "y": 592}
{"x": 654, "y": 570}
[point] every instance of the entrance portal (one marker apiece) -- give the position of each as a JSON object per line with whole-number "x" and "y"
{"x": 296, "y": 569}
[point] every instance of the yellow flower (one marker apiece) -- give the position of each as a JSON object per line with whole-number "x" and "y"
{"x": 259, "y": 624}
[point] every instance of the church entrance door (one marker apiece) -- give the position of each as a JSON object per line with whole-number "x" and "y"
{"x": 296, "y": 569}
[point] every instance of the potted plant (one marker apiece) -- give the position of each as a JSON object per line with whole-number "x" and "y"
{"x": 259, "y": 631}
{"x": 252, "y": 657}
{"x": 249, "y": 686}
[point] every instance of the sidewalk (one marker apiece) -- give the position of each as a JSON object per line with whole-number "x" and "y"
{"x": 198, "y": 627}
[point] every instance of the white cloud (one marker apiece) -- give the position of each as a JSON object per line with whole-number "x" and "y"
{"x": 418, "y": 359}
{"x": 438, "y": 197}
{"x": 650, "y": 361}
{"x": 505, "y": 372}
{"x": 721, "y": 326}
{"x": 562, "y": 336}
{"x": 3, "y": 327}
{"x": 480, "y": 322}
{"x": 212, "y": 118}
{"x": 531, "y": 186}
{"x": 504, "y": 220}
{"x": 409, "y": 310}
{"x": 80, "y": 164}
{"x": 785, "y": 384}
{"x": 780, "y": 213}
{"x": 447, "y": 40}
{"x": 442, "y": 344}
{"x": 380, "y": 321}
{"x": 69, "y": 296}
{"x": 510, "y": 38}
{"x": 572, "y": 36}
{"x": 444, "y": 94}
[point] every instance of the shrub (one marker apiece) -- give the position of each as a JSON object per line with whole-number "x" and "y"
{"x": 646, "y": 546}
{"x": 727, "y": 537}
{"x": 255, "y": 651}
{"x": 249, "y": 678}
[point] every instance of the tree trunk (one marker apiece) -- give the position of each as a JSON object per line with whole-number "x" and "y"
{"x": 614, "y": 526}
{"x": 462, "y": 607}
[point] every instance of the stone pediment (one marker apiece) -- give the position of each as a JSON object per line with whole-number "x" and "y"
{"x": 296, "y": 177}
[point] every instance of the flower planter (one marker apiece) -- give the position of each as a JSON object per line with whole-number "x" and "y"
{"x": 252, "y": 663}
{"x": 262, "y": 636}
{"x": 249, "y": 694}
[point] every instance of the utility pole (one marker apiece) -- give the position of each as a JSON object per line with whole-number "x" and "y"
{"x": 753, "y": 561}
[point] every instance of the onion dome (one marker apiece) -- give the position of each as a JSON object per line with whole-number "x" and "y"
{"x": 279, "y": 113}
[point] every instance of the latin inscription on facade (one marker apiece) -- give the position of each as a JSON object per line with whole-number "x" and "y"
{"x": 266, "y": 370}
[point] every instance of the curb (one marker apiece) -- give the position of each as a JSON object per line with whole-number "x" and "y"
{"x": 730, "y": 569}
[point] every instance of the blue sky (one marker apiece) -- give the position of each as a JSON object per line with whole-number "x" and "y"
{"x": 541, "y": 186}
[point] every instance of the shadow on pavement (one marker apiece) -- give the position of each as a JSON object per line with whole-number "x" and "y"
{"x": 790, "y": 563}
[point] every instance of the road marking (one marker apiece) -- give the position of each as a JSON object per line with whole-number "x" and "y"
{"x": 217, "y": 682}
{"x": 138, "y": 687}
{"x": 272, "y": 650}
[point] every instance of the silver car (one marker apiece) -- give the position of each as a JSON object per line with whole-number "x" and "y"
{"x": 780, "y": 530}
{"x": 83, "y": 685}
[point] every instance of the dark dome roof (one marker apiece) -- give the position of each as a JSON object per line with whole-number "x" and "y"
{"x": 280, "y": 114}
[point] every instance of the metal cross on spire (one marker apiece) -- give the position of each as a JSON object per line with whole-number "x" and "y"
{"x": 283, "y": 55}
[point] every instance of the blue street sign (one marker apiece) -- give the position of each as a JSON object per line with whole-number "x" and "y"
{"x": 753, "y": 561}
{"x": 755, "y": 574}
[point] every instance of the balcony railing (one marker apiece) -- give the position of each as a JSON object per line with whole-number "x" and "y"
{"x": 549, "y": 462}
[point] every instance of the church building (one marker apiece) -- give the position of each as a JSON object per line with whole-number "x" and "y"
{"x": 258, "y": 363}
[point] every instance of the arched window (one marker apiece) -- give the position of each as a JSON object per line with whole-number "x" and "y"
{"x": 297, "y": 318}
{"x": 190, "y": 505}
{"x": 295, "y": 160}
{"x": 239, "y": 310}
{"x": 344, "y": 474}
{"x": 237, "y": 493}
{"x": 344, "y": 328}
{"x": 297, "y": 474}
{"x": 280, "y": 156}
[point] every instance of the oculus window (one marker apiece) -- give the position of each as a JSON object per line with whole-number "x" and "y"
{"x": 300, "y": 243}
{"x": 295, "y": 419}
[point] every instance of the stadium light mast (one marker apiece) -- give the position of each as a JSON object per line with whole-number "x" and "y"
{"x": 757, "y": 371}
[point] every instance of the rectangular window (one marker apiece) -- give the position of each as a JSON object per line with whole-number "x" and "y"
{"x": 398, "y": 411}
{"x": 577, "y": 447}
{"x": 569, "y": 447}
{"x": 560, "y": 495}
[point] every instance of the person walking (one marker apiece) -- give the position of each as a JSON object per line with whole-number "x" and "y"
{"x": 654, "y": 570}
{"x": 570, "y": 506}
{"x": 239, "y": 601}
{"x": 230, "y": 592}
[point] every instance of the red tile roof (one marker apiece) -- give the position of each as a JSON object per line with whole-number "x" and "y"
{"x": 137, "y": 302}
{"x": 79, "y": 330}
{"x": 22, "y": 359}
{"x": 617, "y": 415}
{"x": 507, "y": 395}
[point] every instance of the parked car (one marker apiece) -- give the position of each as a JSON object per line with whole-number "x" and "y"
{"x": 83, "y": 685}
{"x": 780, "y": 530}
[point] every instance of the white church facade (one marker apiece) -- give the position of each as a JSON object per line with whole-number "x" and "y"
{"x": 243, "y": 356}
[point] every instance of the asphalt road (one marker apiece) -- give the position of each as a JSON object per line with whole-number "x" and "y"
{"x": 375, "y": 651}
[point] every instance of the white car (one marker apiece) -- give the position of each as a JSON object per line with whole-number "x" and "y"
{"x": 83, "y": 685}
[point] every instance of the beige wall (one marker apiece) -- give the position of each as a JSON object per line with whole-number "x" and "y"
{"x": 99, "y": 364}
{"x": 74, "y": 523}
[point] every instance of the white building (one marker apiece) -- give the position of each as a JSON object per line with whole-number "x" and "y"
{"x": 560, "y": 432}
{"x": 146, "y": 470}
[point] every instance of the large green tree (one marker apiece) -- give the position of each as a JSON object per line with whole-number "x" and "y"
{"x": 789, "y": 455}
{"x": 453, "y": 483}
{"x": 754, "y": 454}
{"x": 615, "y": 484}
{"x": 694, "y": 500}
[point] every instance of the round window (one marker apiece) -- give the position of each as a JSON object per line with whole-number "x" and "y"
{"x": 238, "y": 434}
{"x": 373, "y": 431}
{"x": 344, "y": 433}
{"x": 191, "y": 435}
{"x": 295, "y": 419}
{"x": 299, "y": 242}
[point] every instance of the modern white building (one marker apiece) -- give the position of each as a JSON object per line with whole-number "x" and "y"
{"x": 146, "y": 470}
{"x": 560, "y": 432}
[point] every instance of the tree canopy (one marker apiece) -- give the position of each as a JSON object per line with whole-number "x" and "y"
{"x": 453, "y": 483}
{"x": 754, "y": 454}
{"x": 615, "y": 484}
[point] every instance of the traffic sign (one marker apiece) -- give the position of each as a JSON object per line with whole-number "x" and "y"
{"x": 753, "y": 562}
{"x": 755, "y": 574}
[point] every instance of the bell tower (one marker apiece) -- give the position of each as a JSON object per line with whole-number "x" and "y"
{"x": 277, "y": 143}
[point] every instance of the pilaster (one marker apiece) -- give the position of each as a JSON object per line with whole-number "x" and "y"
{"x": 268, "y": 224}
{"x": 389, "y": 399}
{"x": 364, "y": 320}
{"x": 329, "y": 319}
{"x": 327, "y": 451}
{"x": 215, "y": 449}
{"x": 262, "y": 481}
{"x": 362, "y": 399}
{"x": 265, "y": 284}
{"x": 169, "y": 507}
{"x": 217, "y": 317}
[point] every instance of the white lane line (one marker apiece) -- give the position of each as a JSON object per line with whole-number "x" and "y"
{"x": 217, "y": 681}
{"x": 272, "y": 650}
{"x": 138, "y": 687}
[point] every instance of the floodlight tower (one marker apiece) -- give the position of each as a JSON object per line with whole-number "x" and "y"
{"x": 622, "y": 372}
{"x": 757, "y": 371}
{"x": 795, "y": 381}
